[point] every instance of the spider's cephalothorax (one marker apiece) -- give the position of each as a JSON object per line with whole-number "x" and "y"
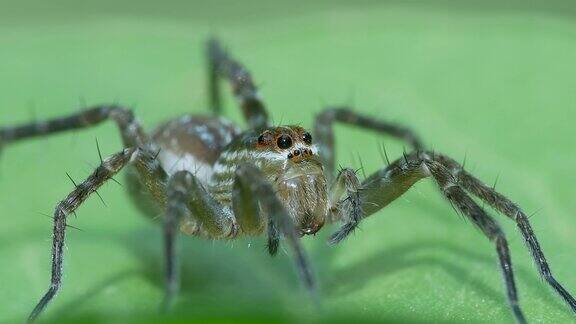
{"x": 289, "y": 161}
{"x": 210, "y": 179}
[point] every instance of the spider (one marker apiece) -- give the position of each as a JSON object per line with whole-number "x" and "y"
{"x": 213, "y": 180}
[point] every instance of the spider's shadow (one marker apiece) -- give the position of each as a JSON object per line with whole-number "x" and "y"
{"x": 404, "y": 256}
{"x": 395, "y": 259}
{"x": 223, "y": 274}
{"x": 215, "y": 273}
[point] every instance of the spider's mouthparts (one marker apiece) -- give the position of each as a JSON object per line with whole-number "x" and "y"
{"x": 311, "y": 229}
{"x": 300, "y": 154}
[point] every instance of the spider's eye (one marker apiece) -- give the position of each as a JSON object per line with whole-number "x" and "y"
{"x": 261, "y": 140}
{"x": 284, "y": 142}
{"x": 307, "y": 138}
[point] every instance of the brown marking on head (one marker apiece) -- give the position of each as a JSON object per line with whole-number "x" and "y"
{"x": 294, "y": 140}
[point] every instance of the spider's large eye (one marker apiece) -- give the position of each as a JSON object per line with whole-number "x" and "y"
{"x": 284, "y": 142}
{"x": 307, "y": 138}
{"x": 265, "y": 139}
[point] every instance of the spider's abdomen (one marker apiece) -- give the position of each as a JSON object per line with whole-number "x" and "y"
{"x": 190, "y": 143}
{"x": 193, "y": 143}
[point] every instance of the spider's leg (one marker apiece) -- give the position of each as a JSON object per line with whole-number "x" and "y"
{"x": 213, "y": 81}
{"x": 375, "y": 193}
{"x": 458, "y": 197}
{"x": 187, "y": 196}
{"x": 221, "y": 64}
{"x": 510, "y": 209}
{"x": 176, "y": 210}
{"x": 214, "y": 219}
{"x": 147, "y": 173}
{"x": 273, "y": 238}
{"x": 345, "y": 203}
{"x": 259, "y": 188}
{"x": 324, "y": 134}
{"x": 246, "y": 209}
{"x": 247, "y": 212}
{"x": 130, "y": 129}
{"x": 104, "y": 172}
{"x": 386, "y": 185}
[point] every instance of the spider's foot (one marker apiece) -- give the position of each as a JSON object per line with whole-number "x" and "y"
{"x": 167, "y": 303}
{"x": 342, "y": 233}
{"x": 520, "y": 319}
{"x": 272, "y": 245}
{"x": 42, "y": 304}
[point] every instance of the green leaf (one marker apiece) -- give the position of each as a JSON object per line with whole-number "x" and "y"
{"x": 492, "y": 83}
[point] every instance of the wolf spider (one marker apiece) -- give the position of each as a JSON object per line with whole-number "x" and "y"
{"x": 211, "y": 179}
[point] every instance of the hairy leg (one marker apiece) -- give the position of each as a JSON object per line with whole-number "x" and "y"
{"x": 248, "y": 215}
{"x": 462, "y": 201}
{"x": 130, "y": 129}
{"x": 324, "y": 134}
{"x": 510, "y": 209}
{"x": 214, "y": 220}
{"x": 246, "y": 208}
{"x": 386, "y": 185}
{"x": 176, "y": 210}
{"x": 186, "y": 193}
{"x": 104, "y": 172}
{"x": 273, "y": 238}
{"x": 185, "y": 198}
{"x": 221, "y": 64}
{"x": 213, "y": 81}
{"x": 257, "y": 185}
{"x": 345, "y": 203}
{"x": 147, "y": 176}
{"x": 145, "y": 182}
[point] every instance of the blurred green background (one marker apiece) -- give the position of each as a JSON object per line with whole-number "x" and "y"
{"x": 493, "y": 81}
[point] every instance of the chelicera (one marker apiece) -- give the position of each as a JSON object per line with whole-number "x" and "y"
{"x": 211, "y": 179}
